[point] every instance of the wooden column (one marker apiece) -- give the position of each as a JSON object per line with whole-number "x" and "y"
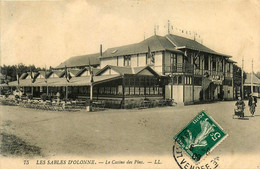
{"x": 145, "y": 87}
{"x": 123, "y": 93}
{"x": 32, "y": 91}
{"x": 193, "y": 66}
{"x": 66, "y": 92}
{"x": 183, "y": 80}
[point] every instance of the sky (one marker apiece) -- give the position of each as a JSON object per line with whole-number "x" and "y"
{"x": 46, "y": 33}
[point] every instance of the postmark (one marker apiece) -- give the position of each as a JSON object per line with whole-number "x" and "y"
{"x": 184, "y": 162}
{"x": 199, "y": 137}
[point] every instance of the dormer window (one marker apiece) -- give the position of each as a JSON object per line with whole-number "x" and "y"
{"x": 114, "y": 51}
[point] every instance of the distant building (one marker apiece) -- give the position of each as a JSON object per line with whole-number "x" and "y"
{"x": 255, "y": 83}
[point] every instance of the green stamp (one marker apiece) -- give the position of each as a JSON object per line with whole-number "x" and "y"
{"x": 200, "y": 136}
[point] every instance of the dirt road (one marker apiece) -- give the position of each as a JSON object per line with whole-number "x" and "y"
{"x": 123, "y": 132}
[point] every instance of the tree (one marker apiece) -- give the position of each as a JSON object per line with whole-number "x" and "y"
{"x": 12, "y": 70}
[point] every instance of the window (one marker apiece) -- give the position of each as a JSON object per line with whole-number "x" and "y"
{"x": 206, "y": 62}
{"x": 150, "y": 59}
{"x": 228, "y": 67}
{"x": 132, "y": 90}
{"x": 188, "y": 80}
{"x": 220, "y": 65}
{"x": 180, "y": 80}
{"x": 174, "y": 80}
{"x": 127, "y": 90}
{"x": 190, "y": 56}
{"x": 127, "y": 60}
{"x": 197, "y": 81}
{"x": 197, "y": 61}
{"x": 214, "y": 64}
{"x": 173, "y": 62}
{"x": 141, "y": 90}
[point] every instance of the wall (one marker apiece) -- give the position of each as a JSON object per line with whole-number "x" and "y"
{"x": 109, "y": 72}
{"x": 108, "y": 61}
{"x": 197, "y": 90}
{"x": 179, "y": 59}
{"x": 158, "y": 62}
{"x": 167, "y": 61}
{"x": 134, "y": 61}
{"x": 120, "y": 61}
{"x": 188, "y": 93}
{"x": 228, "y": 95}
{"x": 142, "y": 60}
{"x": 177, "y": 93}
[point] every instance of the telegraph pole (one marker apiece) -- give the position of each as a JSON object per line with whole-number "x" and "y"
{"x": 242, "y": 80}
{"x": 169, "y": 27}
{"x": 252, "y": 88}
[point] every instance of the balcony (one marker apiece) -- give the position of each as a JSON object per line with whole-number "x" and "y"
{"x": 188, "y": 68}
{"x": 179, "y": 68}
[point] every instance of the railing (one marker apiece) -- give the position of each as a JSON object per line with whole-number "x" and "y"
{"x": 179, "y": 68}
{"x": 228, "y": 74}
{"x": 188, "y": 68}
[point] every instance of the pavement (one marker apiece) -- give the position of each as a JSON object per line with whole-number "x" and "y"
{"x": 122, "y": 133}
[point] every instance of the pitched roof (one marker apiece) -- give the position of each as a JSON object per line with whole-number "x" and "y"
{"x": 23, "y": 76}
{"x": 80, "y": 61}
{"x": 75, "y": 81}
{"x": 127, "y": 70}
{"x": 59, "y": 73}
{"x": 42, "y": 72}
{"x": 255, "y": 79}
{"x": 180, "y": 41}
{"x": 231, "y": 61}
{"x": 155, "y": 43}
{"x": 75, "y": 72}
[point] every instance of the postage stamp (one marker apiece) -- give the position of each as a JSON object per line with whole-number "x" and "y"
{"x": 200, "y": 136}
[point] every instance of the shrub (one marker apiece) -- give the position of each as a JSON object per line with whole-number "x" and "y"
{"x": 44, "y": 96}
{"x": 29, "y": 96}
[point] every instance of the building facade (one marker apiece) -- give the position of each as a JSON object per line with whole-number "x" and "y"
{"x": 169, "y": 67}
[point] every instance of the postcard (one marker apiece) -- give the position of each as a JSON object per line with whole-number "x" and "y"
{"x": 129, "y": 84}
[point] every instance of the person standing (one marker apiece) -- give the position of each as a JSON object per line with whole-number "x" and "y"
{"x": 58, "y": 97}
{"x": 252, "y": 104}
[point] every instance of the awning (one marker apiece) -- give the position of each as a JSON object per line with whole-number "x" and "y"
{"x": 55, "y": 82}
{"x": 206, "y": 82}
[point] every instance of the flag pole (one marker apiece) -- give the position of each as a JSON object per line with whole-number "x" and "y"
{"x": 45, "y": 78}
{"x": 242, "y": 80}
{"x": 66, "y": 76}
{"x": 252, "y": 88}
{"x": 89, "y": 105}
{"x": 31, "y": 80}
{"x": 17, "y": 76}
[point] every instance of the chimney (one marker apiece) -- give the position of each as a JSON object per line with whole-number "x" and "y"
{"x": 101, "y": 52}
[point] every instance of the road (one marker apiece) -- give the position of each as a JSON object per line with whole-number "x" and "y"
{"x": 119, "y": 133}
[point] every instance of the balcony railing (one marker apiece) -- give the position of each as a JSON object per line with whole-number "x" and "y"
{"x": 179, "y": 68}
{"x": 188, "y": 68}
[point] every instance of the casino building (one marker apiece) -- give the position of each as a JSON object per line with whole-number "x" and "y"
{"x": 159, "y": 67}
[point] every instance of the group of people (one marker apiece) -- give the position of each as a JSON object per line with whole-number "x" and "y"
{"x": 252, "y": 101}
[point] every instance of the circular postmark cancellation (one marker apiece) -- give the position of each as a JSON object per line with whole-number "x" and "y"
{"x": 185, "y": 162}
{"x": 196, "y": 140}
